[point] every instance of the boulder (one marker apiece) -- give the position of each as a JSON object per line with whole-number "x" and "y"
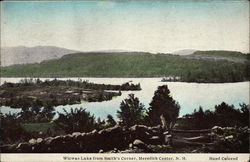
{"x": 229, "y": 137}
{"x": 115, "y": 150}
{"x": 140, "y": 132}
{"x": 110, "y": 138}
{"x": 154, "y": 140}
{"x": 38, "y": 147}
{"x": 9, "y": 148}
{"x": 77, "y": 135}
{"x": 48, "y": 140}
{"x": 94, "y": 132}
{"x": 32, "y": 141}
{"x": 139, "y": 144}
{"x": 39, "y": 140}
{"x": 218, "y": 130}
{"x": 24, "y": 147}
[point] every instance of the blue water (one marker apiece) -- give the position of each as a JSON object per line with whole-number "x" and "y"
{"x": 189, "y": 95}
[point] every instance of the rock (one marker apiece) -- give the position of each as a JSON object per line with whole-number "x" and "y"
{"x": 48, "y": 140}
{"x": 77, "y": 135}
{"x": 32, "y": 141}
{"x": 111, "y": 131}
{"x": 94, "y": 132}
{"x": 24, "y": 147}
{"x": 38, "y": 147}
{"x": 217, "y": 130}
{"x": 39, "y": 140}
{"x": 68, "y": 138}
{"x": 140, "y": 132}
{"x": 8, "y": 148}
{"x": 216, "y": 127}
{"x": 139, "y": 144}
{"x": 229, "y": 137}
{"x": 110, "y": 138}
{"x": 115, "y": 150}
{"x": 155, "y": 140}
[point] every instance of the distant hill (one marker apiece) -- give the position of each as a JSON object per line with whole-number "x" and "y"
{"x": 184, "y": 52}
{"x": 232, "y": 54}
{"x": 137, "y": 64}
{"x": 27, "y": 55}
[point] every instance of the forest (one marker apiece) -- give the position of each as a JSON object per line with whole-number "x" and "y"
{"x": 220, "y": 66}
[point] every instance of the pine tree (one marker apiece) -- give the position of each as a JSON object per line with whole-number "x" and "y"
{"x": 163, "y": 108}
{"x": 132, "y": 111}
{"x": 110, "y": 121}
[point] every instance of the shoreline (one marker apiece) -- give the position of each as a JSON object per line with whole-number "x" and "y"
{"x": 205, "y": 82}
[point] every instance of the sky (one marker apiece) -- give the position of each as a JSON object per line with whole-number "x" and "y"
{"x": 152, "y": 26}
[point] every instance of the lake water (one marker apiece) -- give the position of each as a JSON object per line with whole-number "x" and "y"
{"x": 189, "y": 95}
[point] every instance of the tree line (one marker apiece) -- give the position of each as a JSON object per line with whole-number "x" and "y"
{"x": 71, "y": 83}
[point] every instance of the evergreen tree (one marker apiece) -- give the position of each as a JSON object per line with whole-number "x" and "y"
{"x": 132, "y": 111}
{"x": 48, "y": 113}
{"x": 163, "y": 108}
{"x": 227, "y": 115}
{"x": 245, "y": 114}
{"x": 110, "y": 121}
{"x": 77, "y": 120}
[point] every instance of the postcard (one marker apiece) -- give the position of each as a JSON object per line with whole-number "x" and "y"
{"x": 137, "y": 80}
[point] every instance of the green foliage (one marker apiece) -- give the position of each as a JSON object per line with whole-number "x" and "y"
{"x": 234, "y": 140}
{"x": 37, "y": 114}
{"x": 35, "y": 83}
{"x": 34, "y": 92}
{"x": 244, "y": 116}
{"x": 100, "y": 124}
{"x": 227, "y": 115}
{"x": 232, "y": 54}
{"x": 132, "y": 65}
{"x": 224, "y": 115}
{"x": 247, "y": 68}
{"x": 131, "y": 111}
{"x": 11, "y": 130}
{"x": 38, "y": 127}
{"x": 77, "y": 120}
{"x": 110, "y": 121}
{"x": 163, "y": 104}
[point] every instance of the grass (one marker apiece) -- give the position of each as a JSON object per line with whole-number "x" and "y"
{"x": 38, "y": 127}
{"x": 130, "y": 65}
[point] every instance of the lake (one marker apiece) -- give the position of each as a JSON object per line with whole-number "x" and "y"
{"x": 189, "y": 95}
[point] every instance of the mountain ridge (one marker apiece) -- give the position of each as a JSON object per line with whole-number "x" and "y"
{"x": 37, "y": 54}
{"x": 29, "y": 55}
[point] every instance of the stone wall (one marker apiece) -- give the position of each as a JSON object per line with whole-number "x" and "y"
{"x": 107, "y": 139}
{"x": 136, "y": 137}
